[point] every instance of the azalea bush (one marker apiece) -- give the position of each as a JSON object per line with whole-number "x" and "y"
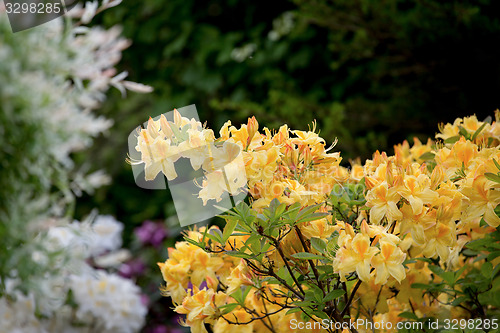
{"x": 410, "y": 236}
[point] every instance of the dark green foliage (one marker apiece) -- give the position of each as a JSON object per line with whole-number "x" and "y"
{"x": 373, "y": 73}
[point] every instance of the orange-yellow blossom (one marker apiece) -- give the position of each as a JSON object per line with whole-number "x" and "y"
{"x": 383, "y": 202}
{"x": 389, "y": 262}
{"x": 482, "y": 201}
{"x": 200, "y": 307}
{"x": 417, "y": 191}
{"x": 355, "y": 256}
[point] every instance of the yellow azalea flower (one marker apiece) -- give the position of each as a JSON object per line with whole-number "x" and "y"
{"x": 261, "y": 165}
{"x": 200, "y": 307}
{"x": 357, "y": 172}
{"x": 203, "y": 266}
{"x": 176, "y": 283}
{"x": 181, "y": 121}
{"x": 281, "y": 136}
{"x": 482, "y": 201}
{"x": 417, "y": 191}
{"x": 416, "y": 224}
{"x": 252, "y": 127}
{"x": 240, "y": 136}
{"x": 471, "y": 125}
{"x": 389, "y": 261}
{"x": 446, "y": 159}
{"x": 319, "y": 228}
{"x": 196, "y": 148}
{"x": 224, "y": 131}
{"x": 449, "y": 130}
{"x": 355, "y": 257}
{"x": 464, "y": 151}
{"x": 419, "y": 149}
{"x": 383, "y": 202}
{"x": 163, "y": 158}
{"x": 240, "y": 275}
{"x": 439, "y": 240}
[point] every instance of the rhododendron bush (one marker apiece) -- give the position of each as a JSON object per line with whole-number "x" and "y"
{"x": 410, "y": 236}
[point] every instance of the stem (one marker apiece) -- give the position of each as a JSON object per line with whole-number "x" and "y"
{"x": 350, "y": 298}
{"x": 271, "y": 328}
{"x": 282, "y": 255}
{"x": 346, "y": 300}
{"x": 274, "y": 275}
{"x": 311, "y": 263}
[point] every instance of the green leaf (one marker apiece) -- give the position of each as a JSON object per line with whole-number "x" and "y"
{"x": 308, "y": 256}
{"x": 478, "y": 244}
{"x": 463, "y": 132}
{"x": 333, "y": 295}
{"x": 312, "y": 217}
{"x": 487, "y": 269}
{"x": 459, "y": 272}
{"x": 320, "y": 314}
{"x": 239, "y": 254}
{"x": 496, "y": 164}
{"x": 436, "y": 270}
{"x": 177, "y": 134}
{"x": 305, "y": 211}
{"x": 192, "y": 241}
{"x": 408, "y": 315}
{"x": 449, "y": 277}
{"x": 408, "y": 261}
{"x": 318, "y": 244}
{"x": 493, "y": 255}
{"x": 476, "y": 133}
{"x": 492, "y": 177}
{"x": 293, "y": 310}
{"x": 228, "y": 230}
{"x": 459, "y": 300}
{"x": 427, "y": 156}
{"x": 316, "y": 292}
{"x": 304, "y": 304}
{"x": 452, "y": 139}
{"x": 217, "y": 234}
{"x": 240, "y": 294}
{"x": 228, "y": 308}
{"x": 285, "y": 275}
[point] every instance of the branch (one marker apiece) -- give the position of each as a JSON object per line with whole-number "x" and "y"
{"x": 350, "y": 298}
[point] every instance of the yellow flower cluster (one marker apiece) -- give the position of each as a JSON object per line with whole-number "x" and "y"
{"x": 193, "y": 277}
{"x": 433, "y": 196}
{"x": 425, "y": 201}
{"x": 277, "y": 166}
{"x": 357, "y": 253}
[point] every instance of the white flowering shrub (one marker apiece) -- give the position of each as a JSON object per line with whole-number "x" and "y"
{"x": 53, "y": 78}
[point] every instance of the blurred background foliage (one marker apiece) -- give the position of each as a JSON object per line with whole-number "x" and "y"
{"x": 372, "y": 73}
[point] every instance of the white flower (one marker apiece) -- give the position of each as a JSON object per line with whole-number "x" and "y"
{"x": 75, "y": 239}
{"x": 18, "y": 315}
{"x": 113, "y": 259}
{"x": 107, "y": 234}
{"x": 113, "y": 300}
{"x": 90, "y": 11}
